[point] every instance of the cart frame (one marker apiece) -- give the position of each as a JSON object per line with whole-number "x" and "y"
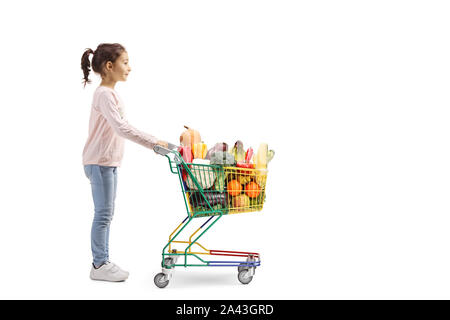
{"x": 170, "y": 256}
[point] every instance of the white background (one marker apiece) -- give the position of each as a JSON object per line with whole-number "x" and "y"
{"x": 352, "y": 95}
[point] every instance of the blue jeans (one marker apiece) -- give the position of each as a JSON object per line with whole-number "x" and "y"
{"x": 104, "y": 184}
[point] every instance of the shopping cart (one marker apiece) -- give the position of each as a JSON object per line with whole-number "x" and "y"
{"x": 211, "y": 191}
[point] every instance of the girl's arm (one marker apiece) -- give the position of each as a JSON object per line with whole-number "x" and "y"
{"x": 108, "y": 108}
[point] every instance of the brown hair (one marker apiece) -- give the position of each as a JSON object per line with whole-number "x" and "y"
{"x": 105, "y": 52}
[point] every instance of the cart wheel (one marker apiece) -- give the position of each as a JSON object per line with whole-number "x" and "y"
{"x": 159, "y": 280}
{"x": 168, "y": 262}
{"x": 240, "y": 268}
{"x": 243, "y": 278}
{"x": 246, "y": 267}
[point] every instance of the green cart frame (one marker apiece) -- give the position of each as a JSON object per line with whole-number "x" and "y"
{"x": 205, "y": 194}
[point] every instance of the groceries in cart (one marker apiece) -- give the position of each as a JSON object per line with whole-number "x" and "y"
{"x": 222, "y": 180}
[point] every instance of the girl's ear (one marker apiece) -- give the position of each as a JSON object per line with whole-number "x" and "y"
{"x": 108, "y": 66}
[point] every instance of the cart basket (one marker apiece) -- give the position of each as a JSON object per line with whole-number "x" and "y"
{"x": 211, "y": 189}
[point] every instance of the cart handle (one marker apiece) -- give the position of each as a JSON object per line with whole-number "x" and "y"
{"x": 165, "y": 151}
{"x": 178, "y": 160}
{"x": 171, "y": 148}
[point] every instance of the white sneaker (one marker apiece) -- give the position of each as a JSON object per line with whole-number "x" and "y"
{"x": 109, "y": 272}
{"x": 121, "y": 270}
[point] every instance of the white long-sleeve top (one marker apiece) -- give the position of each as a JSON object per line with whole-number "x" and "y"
{"x": 107, "y": 129}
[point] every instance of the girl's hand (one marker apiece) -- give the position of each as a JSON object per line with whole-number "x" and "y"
{"x": 162, "y": 143}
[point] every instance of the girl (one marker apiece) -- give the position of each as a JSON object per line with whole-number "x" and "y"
{"x": 104, "y": 147}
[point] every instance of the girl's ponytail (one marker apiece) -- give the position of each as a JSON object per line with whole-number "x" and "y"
{"x": 86, "y": 65}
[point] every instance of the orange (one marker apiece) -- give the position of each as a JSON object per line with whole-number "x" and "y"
{"x": 252, "y": 189}
{"x": 234, "y": 187}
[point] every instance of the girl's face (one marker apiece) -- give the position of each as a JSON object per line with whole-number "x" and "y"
{"x": 119, "y": 70}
